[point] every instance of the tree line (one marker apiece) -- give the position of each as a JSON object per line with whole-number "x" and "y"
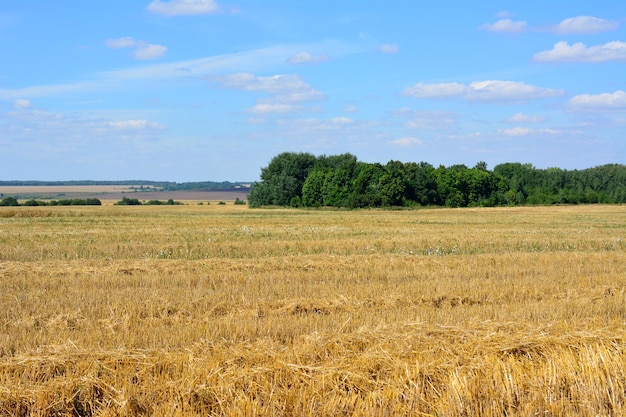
{"x": 305, "y": 180}
{"x": 13, "y": 202}
{"x": 139, "y": 184}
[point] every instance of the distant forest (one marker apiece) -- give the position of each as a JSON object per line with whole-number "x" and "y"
{"x": 160, "y": 185}
{"x": 305, "y": 180}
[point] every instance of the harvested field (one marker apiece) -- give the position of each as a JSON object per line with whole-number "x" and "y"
{"x": 226, "y": 311}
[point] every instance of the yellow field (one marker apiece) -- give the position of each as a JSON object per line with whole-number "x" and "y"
{"x": 227, "y": 311}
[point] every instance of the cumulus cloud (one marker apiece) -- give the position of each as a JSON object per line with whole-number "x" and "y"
{"x": 21, "y": 103}
{"x": 284, "y": 87}
{"x": 267, "y": 108}
{"x": 350, "y": 108}
{"x": 579, "y": 52}
{"x": 150, "y": 51}
{"x": 124, "y": 42}
{"x": 598, "y": 102}
{"x": 585, "y": 24}
{"x": 143, "y": 50}
{"x": 284, "y": 90}
{"x": 342, "y": 120}
{"x": 525, "y": 118}
{"x": 488, "y": 90}
{"x": 525, "y": 131}
{"x": 441, "y": 90}
{"x": 307, "y": 58}
{"x": 506, "y": 25}
{"x": 139, "y": 124}
{"x": 508, "y": 91}
{"x": 182, "y": 7}
{"x": 389, "y": 48}
{"x": 407, "y": 142}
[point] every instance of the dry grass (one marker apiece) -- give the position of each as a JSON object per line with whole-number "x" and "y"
{"x": 226, "y": 311}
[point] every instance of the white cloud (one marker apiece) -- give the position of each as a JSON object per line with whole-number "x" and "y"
{"x": 21, "y": 103}
{"x": 267, "y": 108}
{"x": 442, "y": 90}
{"x": 407, "y": 142}
{"x": 262, "y": 59}
{"x": 124, "y": 42}
{"x": 585, "y": 24}
{"x": 508, "y": 91}
{"x": 525, "y": 131}
{"x": 525, "y": 118}
{"x": 307, "y": 58}
{"x": 579, "y": 52}
{"x": 599, "y": 102}
{"x": 342, "y": 120}
{"x": 31, "y": 115}
{"x": 350, "y": 108}
{"x": 149, "y": 51}
{"x": 488, "y": 90}
{"x": 506, "y": 25}
{"x": 143, "y": 50}
{"x": 389, "y": 48}
{"x": 284, "y": 88}
{"x": 139, "y": 124}
{"x": 182, "y": 7}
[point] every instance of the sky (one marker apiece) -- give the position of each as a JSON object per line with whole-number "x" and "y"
{"x": 212, "y": 90}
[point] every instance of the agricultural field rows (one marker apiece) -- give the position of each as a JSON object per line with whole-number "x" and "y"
{"x": 229, "y": 311}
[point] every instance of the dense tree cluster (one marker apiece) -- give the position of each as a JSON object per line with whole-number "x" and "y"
{"x": 12, "y": 201}
{"x": 305, "y": 180}
{"x": 125, "y": 201}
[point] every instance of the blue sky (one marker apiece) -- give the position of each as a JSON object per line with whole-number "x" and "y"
{"x": 195, "y": 90}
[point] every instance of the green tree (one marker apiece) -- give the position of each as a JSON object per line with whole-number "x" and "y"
{"x": 9, "y": 201}
{"x": 282, "y": 179}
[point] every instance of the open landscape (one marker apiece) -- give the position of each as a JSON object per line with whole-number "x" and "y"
{"x": 222, "y": 310}
{"x": 113, "y": 193}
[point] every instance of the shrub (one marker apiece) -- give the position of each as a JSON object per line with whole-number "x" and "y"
{"x": 239, "y": 202}
{"x": 125, "y": 201}
{"x": 9, "y": 201}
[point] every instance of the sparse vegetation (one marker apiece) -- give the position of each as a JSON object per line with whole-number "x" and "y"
{"x": 219, "y": 311}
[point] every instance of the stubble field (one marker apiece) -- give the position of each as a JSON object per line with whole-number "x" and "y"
{"x": 228, "y": 311}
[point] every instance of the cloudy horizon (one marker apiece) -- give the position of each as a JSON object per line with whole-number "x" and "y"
{"x": 196, "y": 90}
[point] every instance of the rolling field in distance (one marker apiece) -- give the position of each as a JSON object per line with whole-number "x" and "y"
{"x": 113, "y": 193}
{"x": 220, "y": 310}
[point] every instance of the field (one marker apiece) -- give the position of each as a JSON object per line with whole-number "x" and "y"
{"x": 113, "y": 193}
{"x": 227, "y": 311}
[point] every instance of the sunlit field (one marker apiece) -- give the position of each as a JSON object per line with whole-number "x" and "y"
{"x": 222, "y": 310}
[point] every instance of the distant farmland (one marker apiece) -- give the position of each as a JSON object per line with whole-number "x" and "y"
{"x": 116, "y": 192}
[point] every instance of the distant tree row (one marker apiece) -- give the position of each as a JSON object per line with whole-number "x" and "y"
{"x": 139, "y": 185}
{"x": 12, "y": 201}
{"x": 305, "y": 180}
{"x": 125, "y": 201}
